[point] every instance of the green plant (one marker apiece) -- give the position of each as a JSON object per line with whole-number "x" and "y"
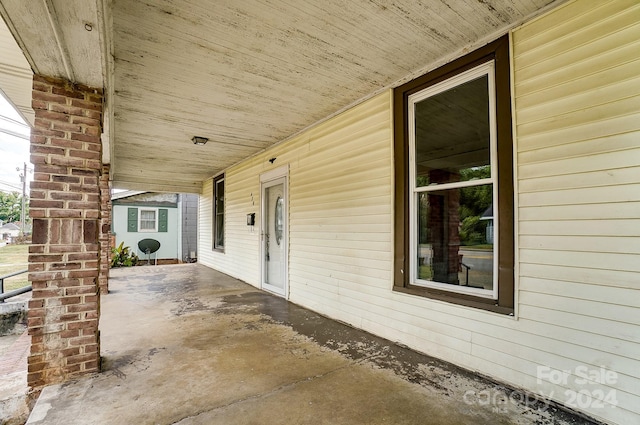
{"x": 122, "y": 257}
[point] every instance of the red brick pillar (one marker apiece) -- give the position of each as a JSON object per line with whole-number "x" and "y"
{"x": 64, "y": 255}
{"x": 105, "y": 230}
{"x": 444, "y": 219}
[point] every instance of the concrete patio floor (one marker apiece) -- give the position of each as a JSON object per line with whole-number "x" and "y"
{"x": 187, "y": 345}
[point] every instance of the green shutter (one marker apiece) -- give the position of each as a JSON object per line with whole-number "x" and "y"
{"x": 162, "y": 220}
{"x": 132, "y": 220}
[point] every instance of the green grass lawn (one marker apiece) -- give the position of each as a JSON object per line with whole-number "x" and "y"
{"x": 14, "y": 258}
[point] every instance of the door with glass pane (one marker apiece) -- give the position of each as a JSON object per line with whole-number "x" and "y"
{"x": 274, "y": 236}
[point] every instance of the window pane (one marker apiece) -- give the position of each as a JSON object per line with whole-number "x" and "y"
{"x": 147, "y": 220}
{"x": 147, "y": 225}
{"x": 220, "y": 196}
{"x": 147, "y": 215}
{"x": 452, "y": 134}
{"x": 455, "y": 236}
{"x": 219, "y": 231}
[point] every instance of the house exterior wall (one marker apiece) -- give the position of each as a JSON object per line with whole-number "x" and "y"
{"x": 578, "y": 201}
{"x": 240, "y": 258}
{"x": 578, "y": 131}
{"x": 8, "y": 233}
{"x": 168, "y": 240}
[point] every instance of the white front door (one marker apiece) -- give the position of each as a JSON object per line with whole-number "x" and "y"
{"x": 274, "y": 236}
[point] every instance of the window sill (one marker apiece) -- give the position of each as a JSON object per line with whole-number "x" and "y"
{"x": 455, "y": 298}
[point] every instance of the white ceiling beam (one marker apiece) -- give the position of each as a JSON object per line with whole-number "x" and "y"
{"x": 105, "y": 29}
{"x": 60, "y": 42}
{"x": 155, "y": 185}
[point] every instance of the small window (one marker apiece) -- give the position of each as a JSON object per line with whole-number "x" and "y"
{"x": 148, "y": 220}
{"x": 454, "y": 193}
{"x": 218, "y": 213}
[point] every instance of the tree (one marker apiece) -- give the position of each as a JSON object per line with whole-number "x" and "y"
{"x": 474, "y": 201}
{"x": 11, "y": 205}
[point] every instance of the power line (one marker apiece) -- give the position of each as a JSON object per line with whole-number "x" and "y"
{"x": 14, "y": 134}
{"x": 10, "y": 185}
{"x": 16, "y": 122}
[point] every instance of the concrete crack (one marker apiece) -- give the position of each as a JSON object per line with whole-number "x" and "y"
{"x": 276, "y": 390}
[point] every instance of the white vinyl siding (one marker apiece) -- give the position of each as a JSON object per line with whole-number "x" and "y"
{"x": 205, "y": 224}
{"x": 340, "y": 203}
{"x": 578, "y": 208}
{"x": 240, "y": 256}
{"x": 578, "y": 126}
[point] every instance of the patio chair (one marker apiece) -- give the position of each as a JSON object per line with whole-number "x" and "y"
{"x": 149, "y": 246}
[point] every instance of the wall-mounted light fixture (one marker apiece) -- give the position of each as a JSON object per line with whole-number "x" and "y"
{"x": 198, "y": 140}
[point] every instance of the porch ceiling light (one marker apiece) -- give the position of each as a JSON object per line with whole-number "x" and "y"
{"x": 198, "y": 140}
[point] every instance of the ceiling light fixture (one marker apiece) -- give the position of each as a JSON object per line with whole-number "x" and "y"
{"x": 197, "y": 140}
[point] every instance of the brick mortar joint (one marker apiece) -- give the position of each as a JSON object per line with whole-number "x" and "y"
{"x": 65, "y": 84}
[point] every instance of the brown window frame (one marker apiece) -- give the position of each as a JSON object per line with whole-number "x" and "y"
{"x": 497, "y": 51}
{"x": 218, "y": 215}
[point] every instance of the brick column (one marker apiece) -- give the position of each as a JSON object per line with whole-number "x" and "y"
{"x": 105, "y": 230}
{"x": 444, "y": 219}
{"x": 64, "y": 255}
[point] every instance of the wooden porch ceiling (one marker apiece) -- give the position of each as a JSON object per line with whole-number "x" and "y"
{"x": 246, "y": 74}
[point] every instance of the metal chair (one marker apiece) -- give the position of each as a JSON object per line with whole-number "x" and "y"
{"x": 149, "y": 246}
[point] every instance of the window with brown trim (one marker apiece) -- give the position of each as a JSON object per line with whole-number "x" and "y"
{"x": 218, "y": 213}
{"x": 454, "y": 182}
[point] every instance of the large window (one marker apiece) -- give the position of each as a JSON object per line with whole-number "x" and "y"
{"x": 454, "y": 194}
{"x": 218, "y": 213}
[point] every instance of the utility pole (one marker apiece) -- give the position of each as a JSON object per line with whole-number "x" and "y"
{"x": 23, "y": 179}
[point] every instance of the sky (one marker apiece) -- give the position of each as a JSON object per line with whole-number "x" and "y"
{"x": 14, "y": 148}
